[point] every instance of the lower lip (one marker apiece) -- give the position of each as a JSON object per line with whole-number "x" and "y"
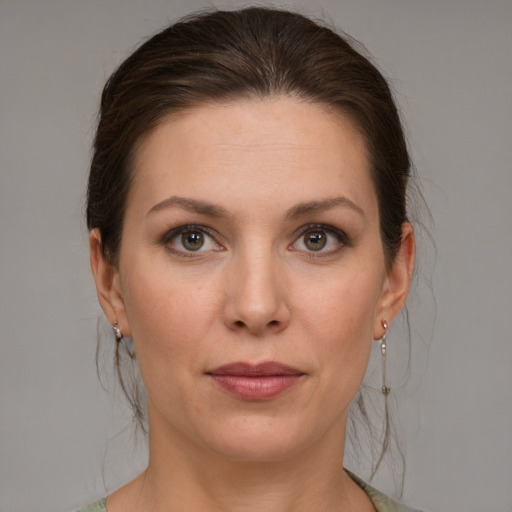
{"x": 257, "y": 387}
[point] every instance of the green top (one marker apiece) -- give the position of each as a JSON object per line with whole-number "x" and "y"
{"x": 99, "y": 506}
{"x": 381, "y": 502}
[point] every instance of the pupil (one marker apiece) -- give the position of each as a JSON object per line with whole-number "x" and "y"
{"x": 316, "y": 241}
{"x": 192, "y": 240}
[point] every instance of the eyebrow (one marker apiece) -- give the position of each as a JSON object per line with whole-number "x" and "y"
{"x": 212, "y": 210}
{"x": 322, "y": 206}
{"x": 192, "y": 205}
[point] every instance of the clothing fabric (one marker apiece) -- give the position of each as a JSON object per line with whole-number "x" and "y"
{"x": 98, "y": 506}
{"x": 380, "y": 501}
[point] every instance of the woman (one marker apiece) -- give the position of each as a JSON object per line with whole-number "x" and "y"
{"x": 248, "y": 230}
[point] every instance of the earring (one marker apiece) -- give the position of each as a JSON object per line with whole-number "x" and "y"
{"x": 117, "y": 332}
{"x": 385, "y": 389}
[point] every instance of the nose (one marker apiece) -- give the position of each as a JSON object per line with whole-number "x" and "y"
{"x": 256, "y": 299}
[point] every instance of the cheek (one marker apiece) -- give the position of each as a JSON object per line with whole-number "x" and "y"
{"x": 169, "y": 316}
{"x": 340, "y": 319}
{"x": 170, "y": 321}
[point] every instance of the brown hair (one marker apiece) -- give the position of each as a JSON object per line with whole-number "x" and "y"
{"x": 227, "y": 55}
{"x": 230, "y": 55}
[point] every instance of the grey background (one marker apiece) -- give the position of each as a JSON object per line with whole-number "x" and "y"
{"x": 63, "y": 440}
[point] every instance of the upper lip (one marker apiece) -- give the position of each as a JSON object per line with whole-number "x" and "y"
{"x": 267, "y": 368}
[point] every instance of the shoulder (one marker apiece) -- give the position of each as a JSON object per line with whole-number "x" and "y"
{"x": 98, "y": 506}
{"x": 381, "y": 502}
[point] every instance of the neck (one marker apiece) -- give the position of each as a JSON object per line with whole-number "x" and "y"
{"x": 183, "y": 476}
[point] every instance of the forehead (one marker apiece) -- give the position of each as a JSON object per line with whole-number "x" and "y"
{"x": 254, "y": 150}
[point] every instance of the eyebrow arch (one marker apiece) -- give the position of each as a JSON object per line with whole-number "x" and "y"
{"x": 192, "y": 205}
{"x": 212, "y": 210}
{"x": 321, "y": 206}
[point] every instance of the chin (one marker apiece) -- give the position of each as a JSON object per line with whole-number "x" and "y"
{"x": 259, "y": 440}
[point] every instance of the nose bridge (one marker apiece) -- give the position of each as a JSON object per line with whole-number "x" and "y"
{"x": 256, "y": 298}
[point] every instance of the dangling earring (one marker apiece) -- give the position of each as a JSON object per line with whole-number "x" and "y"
{"x": 117, "y": 332}
{"x": 385, "y": 389}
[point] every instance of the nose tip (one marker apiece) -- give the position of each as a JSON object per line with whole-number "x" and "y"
{"x": 258, "y": 323}
{"x": 256, "y": 302}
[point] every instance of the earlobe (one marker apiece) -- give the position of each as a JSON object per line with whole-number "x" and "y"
{"x": 108, "y": 288}
{"x": 398, "y": 280}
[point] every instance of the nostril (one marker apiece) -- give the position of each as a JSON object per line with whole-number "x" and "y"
{"x": 272, "y": 323}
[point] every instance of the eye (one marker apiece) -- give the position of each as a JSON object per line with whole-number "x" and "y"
{"x": 315, "y": 240}
{"x": 320, "y": 239}
{"x": 190, "y": 239}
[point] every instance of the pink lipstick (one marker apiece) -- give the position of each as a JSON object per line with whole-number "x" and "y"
{"x": 255, "y": 382}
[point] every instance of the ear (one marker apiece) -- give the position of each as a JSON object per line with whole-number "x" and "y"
{"x": 108, "y": 286}
{"x": 397, "y": 282}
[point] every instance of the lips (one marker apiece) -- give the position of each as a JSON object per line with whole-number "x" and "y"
{"x": 255, "y": 382}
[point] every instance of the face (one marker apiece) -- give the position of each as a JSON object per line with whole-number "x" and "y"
{"x": 252, "y": 276}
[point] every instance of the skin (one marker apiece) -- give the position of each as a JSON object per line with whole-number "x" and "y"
{"x": 255, "y": 291}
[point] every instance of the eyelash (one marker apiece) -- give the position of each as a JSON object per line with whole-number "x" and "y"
{"x": 174, "y": 233}
{"x": 341, "y": 236}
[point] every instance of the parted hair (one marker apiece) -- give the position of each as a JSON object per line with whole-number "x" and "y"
{"x": 224, "y": 56}
{"x": 230, "y": 55}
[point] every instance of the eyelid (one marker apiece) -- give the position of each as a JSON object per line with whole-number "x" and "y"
{"x": 171, "y": 233}
{"x": 342, "y": 237}
{"x": 174, "y": 232}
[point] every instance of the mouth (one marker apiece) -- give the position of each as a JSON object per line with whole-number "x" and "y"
{"x": 255, "y": 382}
